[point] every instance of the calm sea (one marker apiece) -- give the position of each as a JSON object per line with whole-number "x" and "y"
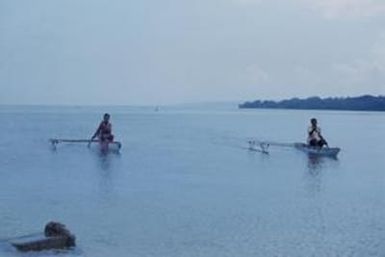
{"x": 184, "y": 184}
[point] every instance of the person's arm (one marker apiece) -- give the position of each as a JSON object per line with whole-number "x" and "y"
{"x": 94, "y": 135}
{"x": 322, "y": 138}
{"x": 311, "y": 130}
{"x": 96, "y": 132}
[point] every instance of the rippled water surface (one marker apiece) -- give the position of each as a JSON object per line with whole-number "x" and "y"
{"x": 184, "y": 184}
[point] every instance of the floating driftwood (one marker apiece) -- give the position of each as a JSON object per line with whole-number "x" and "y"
{"x": 56, "y": 236}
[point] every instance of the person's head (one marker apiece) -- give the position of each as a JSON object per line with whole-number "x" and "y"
{"x": 313, "y": 121}
{"x": 106, "y": 117}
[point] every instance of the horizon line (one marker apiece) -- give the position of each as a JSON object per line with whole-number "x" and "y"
{"x": 176, "y": 104}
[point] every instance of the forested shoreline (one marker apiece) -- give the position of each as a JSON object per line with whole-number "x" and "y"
{"x": 360, "y": 103}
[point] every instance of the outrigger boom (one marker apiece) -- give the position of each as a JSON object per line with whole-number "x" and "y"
{"x": 264, "y": 145}
{"x": 57, "y": 141}
{"x": 112, "y": 146}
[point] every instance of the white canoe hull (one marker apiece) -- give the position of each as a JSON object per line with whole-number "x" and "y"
{"x": 324, "y": 151}
{"x": 106, "y": 147}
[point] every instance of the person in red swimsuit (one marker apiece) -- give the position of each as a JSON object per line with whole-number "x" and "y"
{"x": 104, "y": 130}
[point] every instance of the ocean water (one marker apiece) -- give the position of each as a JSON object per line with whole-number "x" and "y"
{"x": 184, "y": 183}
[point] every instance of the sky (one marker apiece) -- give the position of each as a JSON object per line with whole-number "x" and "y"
{"x": 151, "y": 52}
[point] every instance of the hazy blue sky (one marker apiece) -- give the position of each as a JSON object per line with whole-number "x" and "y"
{"x": 173, "y": 51}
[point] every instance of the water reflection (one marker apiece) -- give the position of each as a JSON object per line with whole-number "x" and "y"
{"x": 314, "y": 172}
{"x": 106, "y": 158}
{"x": 313, "y": 175}
{"x": 315, "y": 164}
{"x": 104, "y": 161}
{"x": 106, "y": 172}
{"x": 313, "y": 212}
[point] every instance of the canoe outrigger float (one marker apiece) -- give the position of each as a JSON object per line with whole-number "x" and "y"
{"x": 263, "y": 146}
{"x": 114, "y": 146}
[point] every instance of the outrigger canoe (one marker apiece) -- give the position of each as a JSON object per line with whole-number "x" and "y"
{"x": 314, "y": 151}
{"x": 114, "y": 146}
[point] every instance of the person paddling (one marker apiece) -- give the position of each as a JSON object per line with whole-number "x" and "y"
{"x": 104, "y": 131}
{"x": 315, "y": 138}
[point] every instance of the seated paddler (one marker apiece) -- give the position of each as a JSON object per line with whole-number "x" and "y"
{"x": 315, "y": 138}
{"x": 104, "y": 131}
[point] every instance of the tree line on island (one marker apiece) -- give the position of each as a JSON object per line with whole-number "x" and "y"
{"x": 360, "y": 103}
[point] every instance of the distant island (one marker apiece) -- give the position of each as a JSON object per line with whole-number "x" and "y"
{"x": 360, "y": 103}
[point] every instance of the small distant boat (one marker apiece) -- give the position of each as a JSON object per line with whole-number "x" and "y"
{"x": 40, "y": 243}
{"x": 114, "y": 146}
{"x": 55, "y": 236}
{"x": 263, "y": 146}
